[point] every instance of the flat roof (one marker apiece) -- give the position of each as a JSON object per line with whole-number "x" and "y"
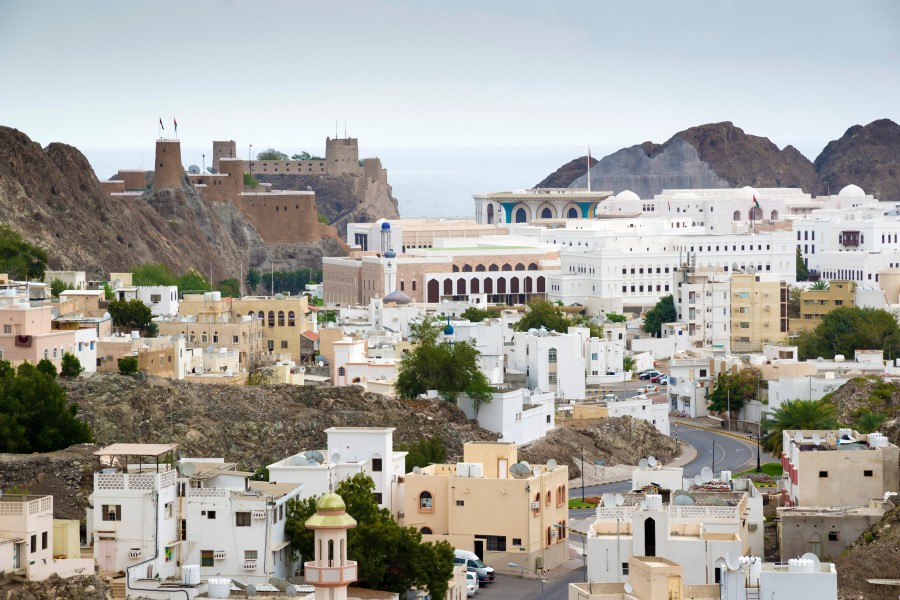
{"x": 135, "y": 449}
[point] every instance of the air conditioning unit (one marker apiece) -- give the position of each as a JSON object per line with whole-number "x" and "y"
{"x": 259, "y": 514}
{"x": 751, "y": 527}
{"x": 535, "y": 506}
{"x": 135, "y": 553}
{"x": 249, "y": 565}
{"x": 219, "y": 555}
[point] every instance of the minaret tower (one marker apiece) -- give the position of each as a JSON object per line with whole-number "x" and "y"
{"x": 390, "y": 258}
{"x": 331, "y": 573}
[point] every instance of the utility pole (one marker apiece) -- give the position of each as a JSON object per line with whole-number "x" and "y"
{"x": 582, "y": 473}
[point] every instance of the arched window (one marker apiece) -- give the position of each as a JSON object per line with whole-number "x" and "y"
{"x": 551, "y": 355}
{"x": 737, "y": 216}
{"x": 291, "y": 321}
{"x": 479, "y": 268}
{"x": 475, "y": 286}
{"x": 426, "y": 531}
{"x": 536, "y": 507}
{"x": 488, "y": 286}
{"x": 774, "y": 215}
{"x": 521, "y": 215}
{"x": 501, "y": 286}
{"x": 514, "y": 285}
{"x": 260, "y": 315}
{"x": 532, "y": 267}
{"x": 330, "y": 552}
{"x": 572, "y": 213}
{"x": 271, "y": 318}
{"x": 281, "y": 318}
{"x": 341, "y": 372}
{"x": 548, "y": 498}
{"x": 506, "y": 268}
{"x": 46, "y": 353}
{"x": 493, "y": 268}
{"x": 356, "y": 380}
{"x": 490, "y": 214}
{"x": 460, "y": 287}
{"x": 426, "y": 502}
{"x": 455, "y": 269}
{"x": 467, "y": 269}
{"x": 519, "y": 267}
{"x": 546, "y": 213}
{"x": 448, "y": 287}
{"x": 755, "y": 214}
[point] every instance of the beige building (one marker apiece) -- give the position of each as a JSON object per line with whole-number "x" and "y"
{"x": 837, "y": 467}
{"x": 27, "y": 333}
{"x": 160, "y": 356}
{"x": 758, "y": 311}
{"x": 480, "y": 504}
{"x": 650, "y": 578}
{"x": 814, "y": 304}
{"x": 283, "y": 318}
{"x": 826, "y": 531}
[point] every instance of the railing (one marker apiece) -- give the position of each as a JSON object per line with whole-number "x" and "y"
{"x": 324, "y": 575}
{"x": 207, "y": 493}
{"x": 133, "y": 481}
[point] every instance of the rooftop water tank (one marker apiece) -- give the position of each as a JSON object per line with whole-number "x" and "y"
{"x": 219, "y": 587}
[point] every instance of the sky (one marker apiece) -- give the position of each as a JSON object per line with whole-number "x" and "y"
{"x": 100, "y": 74}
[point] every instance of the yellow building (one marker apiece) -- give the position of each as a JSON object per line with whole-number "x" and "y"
{"x": 482, "y": 504}
{"x": 758, "y": 311}
{"x": 814, "y": 304}
{"x": 283, "y": 318}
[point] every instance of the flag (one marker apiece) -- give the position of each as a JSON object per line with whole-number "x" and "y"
{"x": 756, "y": 202}
{"x": 161, "y": 126}
{"x": 174, "y": 120}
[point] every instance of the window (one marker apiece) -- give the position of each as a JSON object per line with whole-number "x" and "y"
{"x": 551, "y": 355}
{"x": 34, "y": 543}
{"x": 377, "y": 497}
{"x": 112, "y": 512}
{"x": 234, "y": 339}
{"x": 517, "y": 541}
{"x": 281, "y": 318}
{"x": 43, "y": 540}
{"x": 625, "y": 568}
{"x": 242, "y": 519}
{"x": 426, "y": 502}
{"x": 206, "y": 558}
{"x": 426, "y": 531}
{"x": 250, "y": 555}
{"x": 169, "y": 509}
{"x": 832, "y": 536}
{"x": 284, "y": 344}
{"x": 867, "y": 473}
{"x": 291, "y": 319}
{"x": 210, "y": 514}
{"x": 460, "y": 502}
{"x": 7, "y": 329}
{"x": 155, "y": 298}
{"x": 494, "y": 543}
{"x": 341, "y": 372}
{"x": 376, "y": 465}
{"x": 823, "y": 473}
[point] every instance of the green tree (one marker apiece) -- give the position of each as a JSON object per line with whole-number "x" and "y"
{"x": 153, "y": 274}
{"x": 629, "y": 364}
{"x": 819, "y": 285}
{"x": 57, "y": 287}
{"x": 734, "y": 390}
{"x": 616, "y": 318}
{"x": 230, "y": 287}
{"x": 793, "y": 307}
{"x": 451, "y": 369}
{"x": 250, "y": 181}
{"x": 20, "y": 259}
{"x": 425, "y": 451}
{"x": 869, "y": 422}
{"x": 586, "y": 321}
{"x": 35, "y": 415}
{"x": 663, "y": 312}
{"x": 108, "y": 293}
{"x": 849, "y": 328}
{"x": 542, "y": 313}
{"x": 302, "y": 156}
{"x": 796, "y": 414}
{"x": 475, "y": 314}
{"x": 192, "y": 281}
{"x": 71, "y": 366}
{"x": 390, "y": 557}
{"x": 802, "y": 270}
{"x": 128, "y": 365}
{"x": 130, "y": 313}
{"x": 322, "y": 218}
{"x": 252, "y": 280}
{"x": 46, "y": 366}
{"x": 270, "y": 154}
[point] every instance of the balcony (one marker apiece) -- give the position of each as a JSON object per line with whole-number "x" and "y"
{"x": 319, "y": 575}
{"x": 249, "y": 565}
{"x": 259, "y": 514}
{"x": 219, "y": 555}
{"x": 134, "y": 553}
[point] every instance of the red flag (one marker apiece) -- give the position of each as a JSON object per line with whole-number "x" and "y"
{"x": 176, "y": 125}
{"x": 755, "y": 201}
{"x": 161, "y": 126}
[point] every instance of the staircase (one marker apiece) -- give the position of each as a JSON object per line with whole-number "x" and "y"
{"x": 752, "y": 593}
{"x": 117, "y": 588}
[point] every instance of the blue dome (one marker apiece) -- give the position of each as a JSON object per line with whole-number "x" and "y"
{"x": 385, "y": 225}
{"x": 448, "y": 330}
{"x": 390, "y": 254}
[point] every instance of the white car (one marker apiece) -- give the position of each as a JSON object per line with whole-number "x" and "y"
{"x": 471, "y": 583}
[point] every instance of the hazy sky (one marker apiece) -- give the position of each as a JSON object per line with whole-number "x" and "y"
{"x": 421, "y": 73}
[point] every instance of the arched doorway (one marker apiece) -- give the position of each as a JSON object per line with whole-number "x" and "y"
{"x": 474, "y": 286}
{"x": 649, "y": 537}
{"x": 774, "y": 215}
{"x": 490, "y": 214}
{"x": 521, "y": 215}
{"x": 434, "y": 291}
{"x": 501, "y": 286}
{"x": 448, "y": 287}
{"x": 572, "y": 213}
{"x": 737, "y": 216}
{"x": 541, "y": 285}
{"x": 460, "y": 287}
{"x": 488, "y": 286}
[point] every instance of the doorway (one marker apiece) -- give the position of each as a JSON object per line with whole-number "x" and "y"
{"x": 479, "y": 549}
{"x": 650, "y": 537}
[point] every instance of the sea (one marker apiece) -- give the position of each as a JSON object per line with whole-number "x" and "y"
{"x": 435, "y": 182}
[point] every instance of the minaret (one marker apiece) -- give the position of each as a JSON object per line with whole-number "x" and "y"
{"x": 331, "y": 573}
{"x": 390, "y": 259}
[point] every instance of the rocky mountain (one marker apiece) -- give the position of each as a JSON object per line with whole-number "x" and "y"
{"x": 868, "y": 156}
{"x": 723, "y": 155}
{"x": 874, "y": 555}
{"x": 53, "y": 198}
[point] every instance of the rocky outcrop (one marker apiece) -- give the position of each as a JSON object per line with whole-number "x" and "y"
{"x": 874, "y": 555}
{"x": 86, "y": 587}
{"x": 54, "y": 199}
{"x": 344, "y": 199}
{"x": 708, "y": 156}
{"x": 67, "y": 474}
{"x": 566, "y": 174}
{"x": 868, "y": 156}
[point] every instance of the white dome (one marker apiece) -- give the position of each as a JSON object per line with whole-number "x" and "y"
{"x": 852, "y": 191}
{"x": 627, "y": 195}
{"x": 746, "y": 193}
{"x": 685, "y": 196}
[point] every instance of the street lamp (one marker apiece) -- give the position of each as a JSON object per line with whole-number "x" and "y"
{"x": 758, "y": 436}
{"x": 583, "y": 542}
{"x": 541, "y": 579}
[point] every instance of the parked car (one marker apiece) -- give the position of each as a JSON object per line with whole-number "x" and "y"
{"x": 471, "y": 583}
{"x": 649, "y": 374}
{"x": 474, "y": 565}
{"x": 648, "y": 388}
{"x": 609, "y": 397}
{"x": 664, "y": 380}
{"x": 656, "y": 378}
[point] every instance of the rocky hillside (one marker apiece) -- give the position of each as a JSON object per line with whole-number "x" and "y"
{"x": 53, "y": 198}
{"x": 861, "y": 395}
{"x": 87, "y": 587}
{"x": 868, "y": 156}
{"x": 874, "y": 555}
{"x": 722, "y": 155}
{"x": 335, "y": 198}
{"x": 257, "y": 425}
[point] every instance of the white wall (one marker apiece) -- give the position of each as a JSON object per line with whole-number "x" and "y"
{"x": 505, "y": 415}
{"x": 162, "y": 299}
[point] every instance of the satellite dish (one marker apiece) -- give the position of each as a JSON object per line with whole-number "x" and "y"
{"x": 628, "y": 588}
{"x": 718, "y": 502}
{"x": 417, "y": 470}
{"x": 520, "y": 470}
{"x": 798, "y": 437}
{"x": 303, "y": 369}
{"x": 620, "y": 500}
{"x": 643, "y": 505}
{"x": 335, "y": 458}
{"x": 291, "y": 591}
{"x": 525, "y": 462}
{"x": 536, "y": 472}
{"x": 1, "y": 493}
{"x": 651, "y": 460}
{"x": 250, "y": 590}
{"x": 212, "y": 170}
{"x": 609, "y": 500}
{"x": 817, "y": 564}
{"x": 732, "y": 562}
{"x": 194, "y": 170}
{"x": 683, "y": 500}
{"x": 817, "y": 439}
{"x": 698, "y": 480}
{"x": 314, "y": 455}
{"x": 642, "y": 465}
{"x": 551, "y": 464}
{"x": 188, "y": 469}
{"x": 706, "y": 474}
{"x": 310, "y": 462}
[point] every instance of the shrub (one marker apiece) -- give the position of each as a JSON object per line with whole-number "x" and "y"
{"x": 128, "y": 365}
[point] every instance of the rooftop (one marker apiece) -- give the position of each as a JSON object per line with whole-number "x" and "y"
{"x": 136, "y": 450}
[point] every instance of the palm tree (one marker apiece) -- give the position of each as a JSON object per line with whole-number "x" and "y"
{"x": 796, "y": 414}
{"x": 819, "y": 285}
{"x": 628, "y": 364}
{"x": 869, "y": 422}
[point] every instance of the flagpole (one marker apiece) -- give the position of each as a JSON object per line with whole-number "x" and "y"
{"x": 589, "y": 168}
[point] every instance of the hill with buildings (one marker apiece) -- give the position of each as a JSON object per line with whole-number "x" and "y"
{"x": 53, "y": 198}
{"x": 721, "y": 155}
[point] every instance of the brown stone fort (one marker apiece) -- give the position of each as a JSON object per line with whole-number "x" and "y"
{"x": 279, "y": 216}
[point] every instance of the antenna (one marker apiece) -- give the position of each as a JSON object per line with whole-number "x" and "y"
{"x": 314, "y": 455}
{"x": 212, "y": 170}
{"x": 706, "y": 474}
{"x": 520, "y": 470}
{"x": 335, "y": 458}
{"x": 817, "y": 564}
{"x": 250, "y": 590}
{"x": 651, "y": 460}
{"x": 817, "y": 439}
{"x": 698, "y": 480}
{"x": 551, "y": 464}
{"x": 643, "y": 505}
{"x": 194, "y": 170}
{"x": 642, "y": 465}
{"x": 732, "y": 562}
{"x": 188, "y": 469}
{"x": 628, "y": 588}
{"x": 798, "y": 437}
{"x": 683, "y": 500}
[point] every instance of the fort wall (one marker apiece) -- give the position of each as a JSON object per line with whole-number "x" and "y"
{"x": 168, "y": 170}
{"x": 223, "y": 149}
